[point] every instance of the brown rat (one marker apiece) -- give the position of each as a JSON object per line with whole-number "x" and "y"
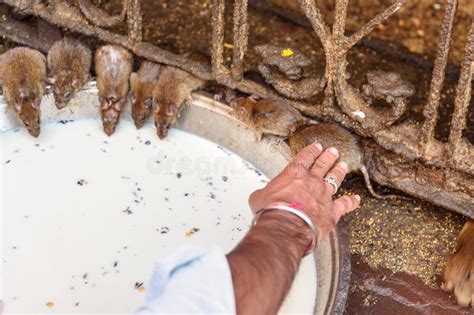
{"x": 23, "y": 75}
{"x": 173, "y": 87}
{"x": 113, "y": 65}
{"x": 142, "y": 84}
{"x": 69, "y": 62}
{"x": 459, "y": 270}
{"x": 267, "y": 117}
{"x": 332, "y": 135}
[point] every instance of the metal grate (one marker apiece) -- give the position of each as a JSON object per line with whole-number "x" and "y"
{"x": 424, "y": 166}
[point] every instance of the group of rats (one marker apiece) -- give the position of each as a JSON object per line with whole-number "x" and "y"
{"x": 162, "y": 90}
{"x": 153, "y": 88}
{"x": 265, "y": 116}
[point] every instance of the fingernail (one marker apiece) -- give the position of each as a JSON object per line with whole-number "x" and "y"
{"x": 318, "y": 146}
{"x": 334, "y": 151}
{"x": 343, "y": 165}
{"x": 357, "y": 197}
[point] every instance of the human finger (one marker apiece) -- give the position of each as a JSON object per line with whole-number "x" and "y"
{"x": 324, "y": 162}
{"x": 306, "y": 157}
{"x": 336, "y": 175}
{"x": 346, "y": 204}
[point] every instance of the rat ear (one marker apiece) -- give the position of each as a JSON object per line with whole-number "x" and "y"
{"x": 17, "y": 106}
{"x": 36, "y": 103}
{"x": 51, "y": 80}
{"x": 156, "y": 105}
{"x": 118, "y": 106}
{"x": 75, "y": 83}
{"x": 171, "y": 110}
{"x": 106, "y": 105}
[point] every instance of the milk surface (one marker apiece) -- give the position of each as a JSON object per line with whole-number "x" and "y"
{"x": 84, "y": 217}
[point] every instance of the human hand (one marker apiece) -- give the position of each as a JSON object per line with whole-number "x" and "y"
{"x": 301, "y": 183}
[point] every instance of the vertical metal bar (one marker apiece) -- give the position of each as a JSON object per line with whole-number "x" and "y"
{"x": 340, "y": 18}
{"x": 241, "y": 33}
{"x": 312, "y": 12}
{"x": 431, "y": 109}
{"x": 134, "y": 20}
{"x": 218, "y": 10}
{"x": 463, "y": 97}
{"x": 378, "y": 19}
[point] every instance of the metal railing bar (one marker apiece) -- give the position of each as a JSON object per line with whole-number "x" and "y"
{"x": 430, "y": 111}
{"x": 367, "y": 28}
{"x": 134, "y": 21}
{"x": 312, "y": 12}
{"x": 218, "y": 20}
{"x": 340, "y": 16}
{"x": 241, "y": 34}
{"x": 462, "y": 99}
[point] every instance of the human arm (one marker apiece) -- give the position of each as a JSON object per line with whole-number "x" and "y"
{"x": 265, "y": 262}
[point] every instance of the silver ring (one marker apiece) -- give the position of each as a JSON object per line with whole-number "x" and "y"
{"x": 331, "y": 180}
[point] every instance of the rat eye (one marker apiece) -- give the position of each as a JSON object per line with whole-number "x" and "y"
{"x": 67, "y": 95}
{"x": 27, "y": 124}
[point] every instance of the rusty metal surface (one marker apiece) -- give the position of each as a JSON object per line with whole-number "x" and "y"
{"x": 443, "y": 169}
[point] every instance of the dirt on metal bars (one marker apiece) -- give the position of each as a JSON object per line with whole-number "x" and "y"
{"x": 403, "y": 155}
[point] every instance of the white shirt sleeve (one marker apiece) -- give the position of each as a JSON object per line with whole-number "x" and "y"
{"x": 193, "y": 280}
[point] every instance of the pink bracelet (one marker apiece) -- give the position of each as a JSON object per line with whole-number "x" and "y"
{"x": 303, "y": 216}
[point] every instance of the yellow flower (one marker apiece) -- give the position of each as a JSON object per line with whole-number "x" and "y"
{"x": 287, "y": 52}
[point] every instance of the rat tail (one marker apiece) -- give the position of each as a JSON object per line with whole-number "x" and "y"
{"x": 365, "y": 173}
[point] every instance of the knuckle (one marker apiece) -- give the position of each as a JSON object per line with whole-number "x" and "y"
{"x": 313, "y": 151}
{"x": 339, "y": 173}
{"x": 299, "y": 169}
{"x": 346, "y": 202}
{"x": 293, "y": 166}
{"x": 253, "y": 196}
{"x": 350, "y": 203}
{"x": 320, "y": 164}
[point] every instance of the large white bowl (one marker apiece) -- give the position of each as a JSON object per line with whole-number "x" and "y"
{"x": 61, "y": 241}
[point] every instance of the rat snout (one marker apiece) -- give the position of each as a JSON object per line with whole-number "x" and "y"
{"x": 110, "y": 120}
{"x": 139, "y": 120}
{"x": 62, "y": 98}
{"x": 140, "y": 114}
{"x": 30, "y": 115}
{"x": 162, "y": 130}
{"x": 162, "y": 125}
{"x": 109, "y": 125}
{"x": 60, "y": 104}
{"x": 109, "y": 129}
{"x": 35, "y": 132}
